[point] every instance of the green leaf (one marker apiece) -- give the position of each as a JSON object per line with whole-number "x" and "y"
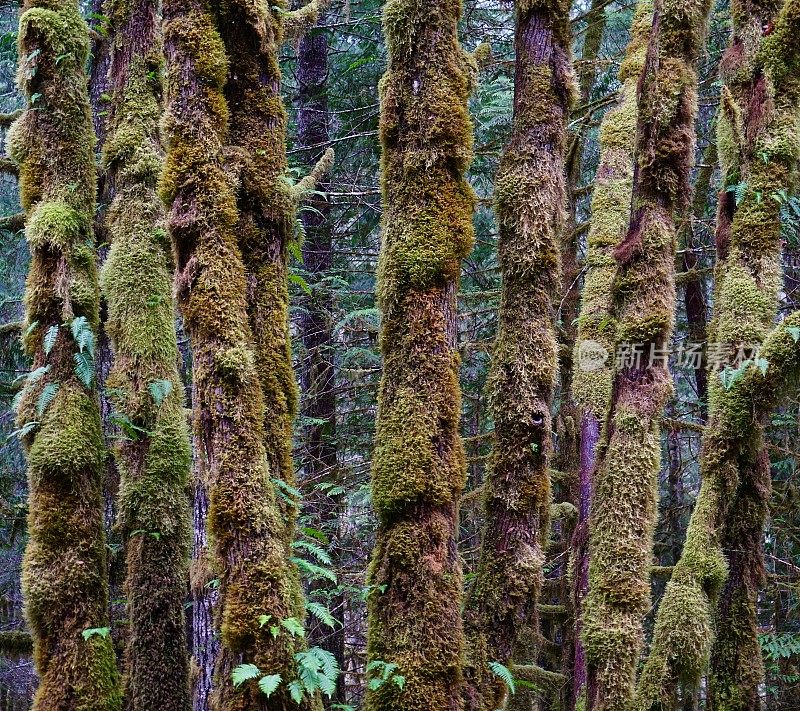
{"x": 294, "y": 627}
{"x": 84, "y": 368}
{"x": 320, "y": 554}
{"x": 47, "y": 396}
{"x": 83, "y": 334}
{"x": 794, "y": 332}
{"x": 322, "y": 613}
{"x": 243, "y": 673}
{"x": 160, "y": 390}
{"x": 23, "y": 431}
{"x": 375, "y": 684}
{"x": 96, "y": 631}
{"x": 274, "y": 630}
{"x": 263, "y": 619}
{"x": 315, "y": 572}
{"x": 505, "y": 674}
{"x": 399, "y": 681}
{"x": 302, "y": 283}
{"x": 763, "y": 365}
{"x": 36, "y": 375}
{"x": 296, "y": 691}
{"x": 50, "y": 339}
{"x": 269, "y": 683}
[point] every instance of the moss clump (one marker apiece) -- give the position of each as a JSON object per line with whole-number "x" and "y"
{"x": 154, "y": 465}
{"x": 530, "y": 193}
{"x": 64, "y": 568}
{"x": 427, "y": 144}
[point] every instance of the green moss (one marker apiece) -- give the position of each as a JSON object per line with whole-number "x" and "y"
{"x": 214, "y": 264}
{"x": 418, "y": 466}
{"x": 728, "y": 507}
{"x": 643, "y": 304}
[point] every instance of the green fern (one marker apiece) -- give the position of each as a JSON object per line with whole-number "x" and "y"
{"x": 505, "y": 674}
{"x": 243, "y": 673}
{"x": 47, "y": 396}
{"x": 319, "y": 553}
{"x": 269, "y": 683}
{"x": 49, "y": 340}
{"x": 159, "y": 390}
{"x": 322, "y": 613}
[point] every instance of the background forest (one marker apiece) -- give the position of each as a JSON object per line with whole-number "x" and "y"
{"x": 581, "y": 477}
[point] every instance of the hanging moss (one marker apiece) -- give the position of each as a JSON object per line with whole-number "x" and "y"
{"x": 611, "y": 203}
{"x": 530, "y": 195}
{"x": 643, "y": 292}
{"x": 418, "y": 466}
{"x": 146, "y": 391}
{"x": 758, "y": 145}
{"x": 64, "y": 569}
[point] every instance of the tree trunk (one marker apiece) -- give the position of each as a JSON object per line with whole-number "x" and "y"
{"x": 152, "y": 452}
{"x": 418, "y": 467}
{"x": 644, "y": 298}
{"x": 531, "y": 195}
{"x": 245, "y": 523}
{"x": 64, "y": 570}
{"x": 732, "y": 501}
{"x": 316, "y": 334}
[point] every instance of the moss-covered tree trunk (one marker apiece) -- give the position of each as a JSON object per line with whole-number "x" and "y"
{"x": 624, "y": 506}
{"x": 530, "y": 194}
{"x": 64, "y": 569}
{"x": 245, "y": 523}
{"x": 593, "y": 356}
{"x": 758, "y": 148}
{"x": 770, "y": 147}
{"x": 152, "y": 455}
{"x": 418, "y": 468}
{"x": 267, "y": 205}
